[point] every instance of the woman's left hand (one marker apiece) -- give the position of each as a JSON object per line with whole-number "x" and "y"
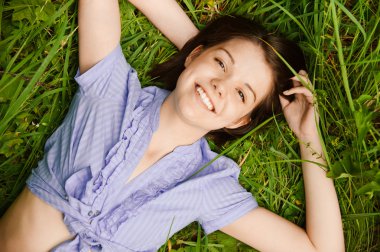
{"x": 301, "y": 112}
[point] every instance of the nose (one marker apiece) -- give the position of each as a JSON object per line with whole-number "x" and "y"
{"x": 218, "y": 87}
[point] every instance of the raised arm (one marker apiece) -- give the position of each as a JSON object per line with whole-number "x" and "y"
{"x": 169, "y": 18}
{"x": 323, "y": 219}
{"x": 267, "y": 231}
{"x": 99, "y": 30}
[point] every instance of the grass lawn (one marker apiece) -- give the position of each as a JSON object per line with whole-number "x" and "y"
{"x": 38, "y": 59}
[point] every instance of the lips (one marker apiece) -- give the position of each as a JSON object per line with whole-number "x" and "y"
{"x": 204, "y": 98}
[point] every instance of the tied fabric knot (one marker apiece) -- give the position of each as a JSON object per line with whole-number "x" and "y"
{"x": 84, "y": 240}
{"x": 81, "y": 243}
{"x": 89, "y": 238}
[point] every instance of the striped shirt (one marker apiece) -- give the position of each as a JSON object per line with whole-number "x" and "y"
{"x": 89, "y": 158}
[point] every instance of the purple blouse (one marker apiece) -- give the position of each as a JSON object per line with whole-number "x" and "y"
{"x": 89, "y": 158}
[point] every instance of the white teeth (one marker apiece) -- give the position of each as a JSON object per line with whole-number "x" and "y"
{"x": 204, "y": 98}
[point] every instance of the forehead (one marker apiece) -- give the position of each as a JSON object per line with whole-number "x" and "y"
{"x": 248, "y": 63}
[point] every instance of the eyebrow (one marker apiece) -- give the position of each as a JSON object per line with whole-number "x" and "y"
{"x": 229, "y": 55}
{"x": 250, "y": 88}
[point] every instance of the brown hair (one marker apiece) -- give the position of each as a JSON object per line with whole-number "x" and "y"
{"x": 226, "y": 28}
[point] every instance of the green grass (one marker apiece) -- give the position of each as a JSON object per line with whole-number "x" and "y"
{"x": 38, "y": 59}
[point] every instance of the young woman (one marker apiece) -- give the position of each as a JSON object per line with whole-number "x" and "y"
{"x": 87, "y": 193}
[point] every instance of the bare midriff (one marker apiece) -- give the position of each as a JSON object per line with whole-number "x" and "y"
{"x": 30, "y": 224}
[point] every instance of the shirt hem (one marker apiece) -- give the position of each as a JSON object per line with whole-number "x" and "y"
{"x": 211, "y": 227}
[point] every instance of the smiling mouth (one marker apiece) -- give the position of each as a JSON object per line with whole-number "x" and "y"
{"x": 204, "y": 98}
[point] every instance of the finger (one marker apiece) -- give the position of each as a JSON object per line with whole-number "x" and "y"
{"x": 298, "y": 90}
{"x": 303, "y": 72}
{"x": 284, "y": 102}
{"x": 300, "y": 80}
{"x": 301, "y": 91}
{"x": 296, "y": 81}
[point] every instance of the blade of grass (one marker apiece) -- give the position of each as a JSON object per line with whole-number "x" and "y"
{"x": 18, "y": 104}
{"x": 353, "y": 19}
{"x": 340, "y": 56}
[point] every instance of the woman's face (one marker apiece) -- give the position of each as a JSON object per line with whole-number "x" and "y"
{"x": 221, "y": 85}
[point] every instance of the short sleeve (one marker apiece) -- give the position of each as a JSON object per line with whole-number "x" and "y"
{"x": 111, "y": 78}
{"x": 224, "y": 201}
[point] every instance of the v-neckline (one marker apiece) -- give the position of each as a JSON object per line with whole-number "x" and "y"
{"x": 145, "y": 170}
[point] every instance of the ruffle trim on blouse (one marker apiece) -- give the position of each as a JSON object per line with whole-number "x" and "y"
{"x": 98, "y": 232}
{"x": 132, "y": 205}
{"x": 117, "y": 158}
{"x": 95, "y": 229}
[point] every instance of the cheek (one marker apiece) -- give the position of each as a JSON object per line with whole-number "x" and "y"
{"x": 180, "y": 80}
{"x": 184, "y": 104}
{"x": 185, "y": 81}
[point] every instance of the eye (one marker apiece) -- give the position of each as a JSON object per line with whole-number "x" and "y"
{"x": 221, "y": 64}
{"x": 241, "y": 94}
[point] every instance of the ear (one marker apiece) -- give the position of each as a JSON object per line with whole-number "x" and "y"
{"x": 241, "y": 122}
{"x": 194, "y": 53}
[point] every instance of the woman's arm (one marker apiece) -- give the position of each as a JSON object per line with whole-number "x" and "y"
{"x": 169, "y": 18}
{"x": 323, "y": 219}
{"x": 99, "y": 30}
{"x": 266, "y": 231}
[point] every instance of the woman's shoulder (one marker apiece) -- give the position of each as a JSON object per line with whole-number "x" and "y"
{"x": 214, "y": 165}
